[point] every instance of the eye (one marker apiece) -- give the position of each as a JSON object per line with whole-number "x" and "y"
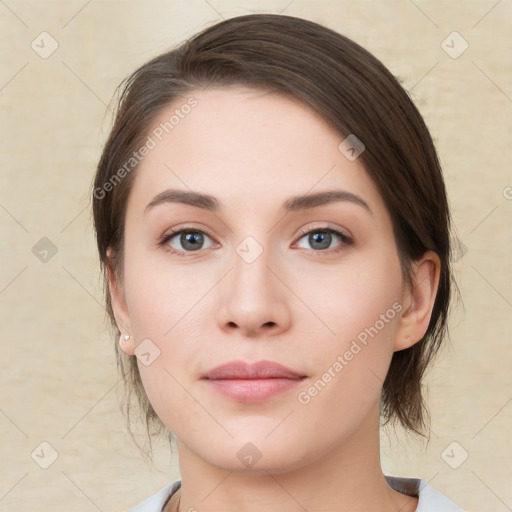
{"x": 321, "y": 239}
{"x": 185, "y": 241}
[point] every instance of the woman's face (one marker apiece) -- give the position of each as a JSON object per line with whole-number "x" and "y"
{"x": 258, "y": 278}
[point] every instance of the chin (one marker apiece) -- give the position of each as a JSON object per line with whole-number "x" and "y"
{"x": 255, "y": 454}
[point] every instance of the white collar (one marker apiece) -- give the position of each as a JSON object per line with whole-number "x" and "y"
{"x": 429, "y": 500}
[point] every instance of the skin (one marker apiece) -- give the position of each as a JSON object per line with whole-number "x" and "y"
{"x": 292, "y": 304}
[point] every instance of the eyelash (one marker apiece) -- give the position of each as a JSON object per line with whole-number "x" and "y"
{"x": 345, "y": 239}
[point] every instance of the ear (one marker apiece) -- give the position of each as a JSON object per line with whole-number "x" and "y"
{"x": 118, "y": 301}
{"x": 418, "y": 301}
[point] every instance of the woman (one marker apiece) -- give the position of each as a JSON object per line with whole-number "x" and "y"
{"x": 273, "y": 227}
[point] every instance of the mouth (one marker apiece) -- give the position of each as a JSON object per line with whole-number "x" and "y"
{"x": 255, "y": 382}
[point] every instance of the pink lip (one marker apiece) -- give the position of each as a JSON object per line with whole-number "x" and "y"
{"x": 252, "y": 382}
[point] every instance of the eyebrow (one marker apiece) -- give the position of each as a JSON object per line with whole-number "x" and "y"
{"x": 292, "y": 204}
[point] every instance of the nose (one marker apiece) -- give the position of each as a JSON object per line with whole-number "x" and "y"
{"x": 254, "y": 298}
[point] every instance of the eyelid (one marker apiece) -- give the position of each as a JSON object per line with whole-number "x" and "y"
{"x": 326, "y": 227}
{"x": 186, "y": 227}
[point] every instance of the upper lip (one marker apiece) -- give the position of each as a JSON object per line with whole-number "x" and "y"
{"x": 257, "y": 370}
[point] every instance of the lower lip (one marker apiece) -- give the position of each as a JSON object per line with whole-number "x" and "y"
{"x": 253, "y": 390}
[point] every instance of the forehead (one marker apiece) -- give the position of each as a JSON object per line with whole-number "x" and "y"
{"x": 247, "y": 147}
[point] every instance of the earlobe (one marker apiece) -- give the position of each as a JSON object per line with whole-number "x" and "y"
{"x": 119, "y": 307}
{"x": 419, "y": 301}
{"x": 127, "y": 344}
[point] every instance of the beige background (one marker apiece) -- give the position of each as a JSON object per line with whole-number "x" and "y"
{"x": 59, "y": 381}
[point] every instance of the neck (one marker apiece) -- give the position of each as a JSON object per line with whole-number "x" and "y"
{"x": 348, "y": 478}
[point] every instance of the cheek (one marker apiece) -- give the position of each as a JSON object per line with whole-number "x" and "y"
{"x": 357, "y": 310}
{"x": 159, "y": 294}
{"x": 351, "y": 370}
{"x": 361, "y": 293}
{"x": 165, "y": 307}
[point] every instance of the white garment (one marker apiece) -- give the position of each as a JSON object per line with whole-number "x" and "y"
{"x": 429, "y": 500}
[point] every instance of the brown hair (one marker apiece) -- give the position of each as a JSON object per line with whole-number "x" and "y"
{"x": 355, "y": 94}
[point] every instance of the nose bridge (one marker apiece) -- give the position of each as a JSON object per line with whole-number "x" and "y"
{"x": 252, "y": 294}
{"x": 252, "y": 278}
